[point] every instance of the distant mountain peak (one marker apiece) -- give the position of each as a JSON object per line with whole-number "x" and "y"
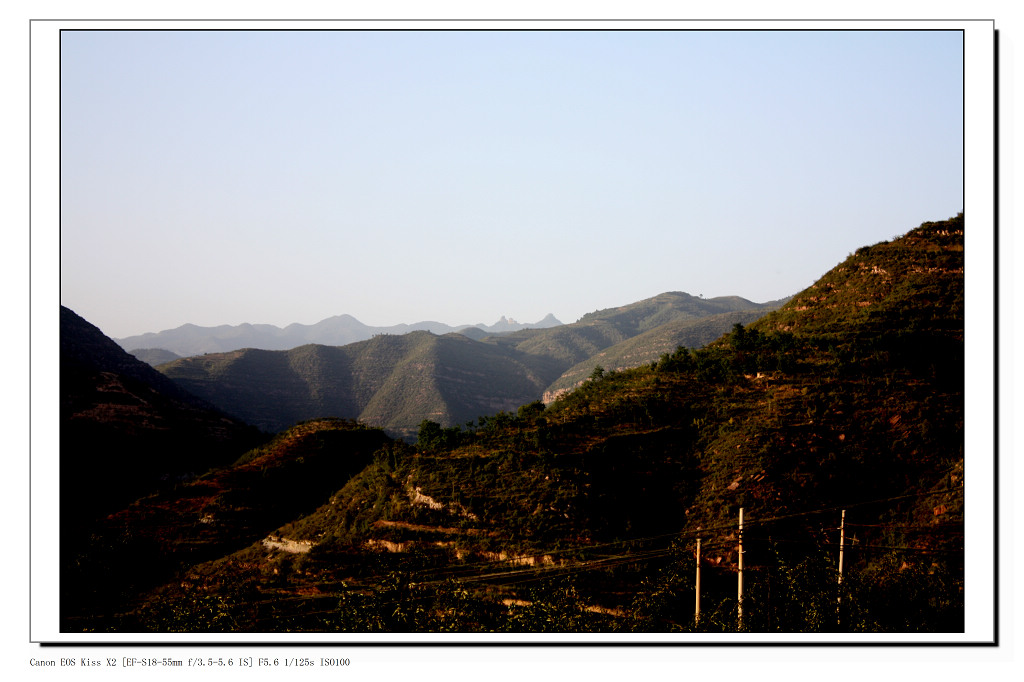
{"x": 339, "y": 330}
{"x": 505, "y": 324}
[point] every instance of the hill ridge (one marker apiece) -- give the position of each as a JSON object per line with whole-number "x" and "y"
{"x": 190, "y": 339}
{"x": 395, "y": 381}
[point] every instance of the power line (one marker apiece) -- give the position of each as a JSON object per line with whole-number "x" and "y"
{"x": 477, "y": 573}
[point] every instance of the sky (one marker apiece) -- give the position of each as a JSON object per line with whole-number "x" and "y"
{"x": 213, "y": 177}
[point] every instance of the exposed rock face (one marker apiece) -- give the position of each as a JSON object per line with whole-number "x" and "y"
{"x": 551, "y": 396}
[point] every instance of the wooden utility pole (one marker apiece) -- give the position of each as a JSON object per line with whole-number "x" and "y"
{"x": 696, "y": 608}
{"x": 739, "y": 578}
{"x": 842, "y": 538}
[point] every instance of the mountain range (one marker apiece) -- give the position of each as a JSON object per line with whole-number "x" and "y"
{"x": 834, "y": 422}
{"x": 397, "y": 381}
{"x": 190, "y": 339}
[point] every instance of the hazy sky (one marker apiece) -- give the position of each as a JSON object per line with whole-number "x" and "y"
{"x": 278, "y": 177}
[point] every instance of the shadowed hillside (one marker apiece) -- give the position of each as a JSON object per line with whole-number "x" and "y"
{"x": 390, "y": 381}
{"x": 126, "y": 428}
{"x": 212, "y": 515}
{"x": 154, "y": 356}
{"x": 125, "y": 431}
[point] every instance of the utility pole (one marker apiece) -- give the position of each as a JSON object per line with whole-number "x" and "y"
{"x": 696, "y": 609}
{"x": 842, "y": 538}
{"x": 739, "y": 579}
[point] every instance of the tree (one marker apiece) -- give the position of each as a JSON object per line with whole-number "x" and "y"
{"x": 529, "y": 413}
{"x": 429, "y": 435}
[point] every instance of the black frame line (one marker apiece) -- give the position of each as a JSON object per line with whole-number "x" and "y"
{"x": 580, "y": 644}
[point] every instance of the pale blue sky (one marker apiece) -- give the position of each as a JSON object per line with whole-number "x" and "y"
{"x": 277, "y": 177}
